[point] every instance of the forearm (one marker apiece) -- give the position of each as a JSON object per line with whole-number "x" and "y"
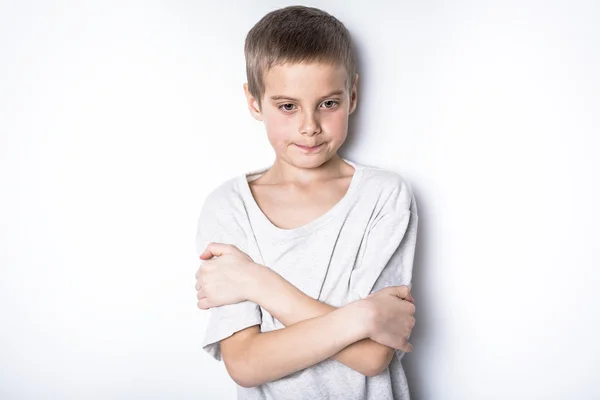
{"x": 289, "y": 305}
{"x": 269, "y": 356}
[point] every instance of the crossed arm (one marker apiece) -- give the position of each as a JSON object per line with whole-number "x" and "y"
{"x": 314, "y": 332}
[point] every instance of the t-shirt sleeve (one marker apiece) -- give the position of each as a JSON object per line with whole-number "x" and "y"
{"x": 387, "y": 257}
{"x": 214, "y": 226}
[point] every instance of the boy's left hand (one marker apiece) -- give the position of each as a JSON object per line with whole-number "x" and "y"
{"x": 226, "y": 279}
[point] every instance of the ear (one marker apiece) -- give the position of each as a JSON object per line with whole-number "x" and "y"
{"x": 353, "y": 96}
{"x": 252, "y": 104}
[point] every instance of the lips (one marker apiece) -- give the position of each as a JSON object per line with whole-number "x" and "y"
{"x": 309, "y": 147}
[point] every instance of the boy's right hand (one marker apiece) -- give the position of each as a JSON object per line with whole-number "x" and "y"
{"x": 392, "y": 316}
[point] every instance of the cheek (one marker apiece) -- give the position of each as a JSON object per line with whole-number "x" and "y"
{"x": 275, "y": 120}
{"x": 337, "y": 124}
{"x": 278, "y": 128}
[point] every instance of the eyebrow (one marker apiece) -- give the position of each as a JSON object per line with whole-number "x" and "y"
{"x": 283, "y": 97}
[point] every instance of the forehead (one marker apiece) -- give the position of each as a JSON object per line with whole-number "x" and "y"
{"x": 304, "y": 78}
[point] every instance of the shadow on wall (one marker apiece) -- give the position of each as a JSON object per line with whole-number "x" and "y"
{"x": 411, "y": 361}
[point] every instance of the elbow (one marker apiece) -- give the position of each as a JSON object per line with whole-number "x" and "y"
{"x": 235, "y": 372}
{"x": 373, "y": 371}
{"x": 245, "y": 383}
{"x": 373, "y": 368}
{"x": 376, "y": 371}
{"x": 240, "y": 373}
{"x": 380, "y": 362}
{"x": 246, "y": 380}
{"x": 237, "y": 357}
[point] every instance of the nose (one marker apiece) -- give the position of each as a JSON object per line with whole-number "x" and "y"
{"x": 310, "y": 125}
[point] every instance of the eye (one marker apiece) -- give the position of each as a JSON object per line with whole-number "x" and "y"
{"x": 285, "y": 108}
{"x": 290, "y": 107}
{"x": 335, "y": 103}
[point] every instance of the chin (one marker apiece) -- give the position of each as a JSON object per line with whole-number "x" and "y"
{"x": 311, "y": 161}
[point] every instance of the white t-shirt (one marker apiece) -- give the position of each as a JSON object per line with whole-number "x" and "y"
{"x": 364, "y": 243}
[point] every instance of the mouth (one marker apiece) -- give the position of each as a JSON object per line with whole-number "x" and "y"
{"x": 310, "y": 148}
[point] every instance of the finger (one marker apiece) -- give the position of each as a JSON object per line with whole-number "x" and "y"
{"x": 405, "y": 346}
{"x": 206, "y": 254}
{"x": 201, "y": 293}
{"x": 203, "y": 268}
{"x": 215, "y": 249}
{"x": 209, "y": 252}
{"x": 402, "y": 291}
{"x": 203, "y": 304}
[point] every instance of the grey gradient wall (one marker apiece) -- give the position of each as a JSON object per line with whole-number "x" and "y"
{"x": 117, "y": 118}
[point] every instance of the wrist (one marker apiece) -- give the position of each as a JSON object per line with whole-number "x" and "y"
{"x": 364, "y": 315}
{"x": 361, "y": 314}
{"x": 275, "y": 294}
{"x": 255, "y": 282}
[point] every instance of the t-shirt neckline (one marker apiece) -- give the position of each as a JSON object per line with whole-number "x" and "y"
{"x": 275, "y": 231}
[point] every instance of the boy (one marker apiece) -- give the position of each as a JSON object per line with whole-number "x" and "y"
{"x": 307, "y": 288}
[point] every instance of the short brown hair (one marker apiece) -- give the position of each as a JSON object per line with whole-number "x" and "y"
{"x": 296, "y": 34}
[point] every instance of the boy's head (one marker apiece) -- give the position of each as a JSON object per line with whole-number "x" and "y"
{"x": 301, "y": 70}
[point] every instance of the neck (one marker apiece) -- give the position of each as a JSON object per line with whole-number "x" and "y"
{"x": 284, "y": 172}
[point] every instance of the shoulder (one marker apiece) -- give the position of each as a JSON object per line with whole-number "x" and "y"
{"x": 223, "y": 202}
{"x": 225, "y": 194}
{"x": 392, "y": 189}
{"x": 222, "y": 217}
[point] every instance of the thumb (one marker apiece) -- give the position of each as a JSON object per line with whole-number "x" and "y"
{"x": 403, "y": 292}
{"x": 214, "y": 249}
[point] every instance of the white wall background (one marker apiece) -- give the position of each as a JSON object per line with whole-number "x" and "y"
{"x": 117, "y": 118}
